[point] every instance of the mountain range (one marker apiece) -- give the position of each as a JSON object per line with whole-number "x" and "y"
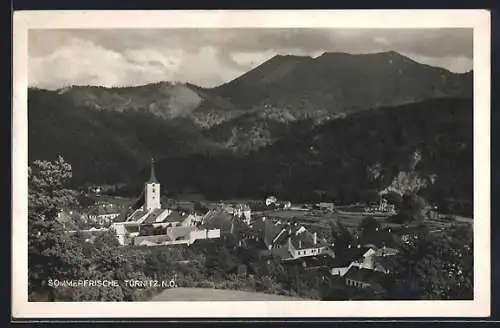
{"x": 108, "y": 134}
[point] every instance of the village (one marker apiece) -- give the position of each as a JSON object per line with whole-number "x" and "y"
{"x": 299, "y": 235}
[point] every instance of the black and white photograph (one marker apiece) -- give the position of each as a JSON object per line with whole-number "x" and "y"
{"x": 279, "y": 164}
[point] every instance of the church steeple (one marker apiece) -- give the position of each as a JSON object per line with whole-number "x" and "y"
{"x": 152, "y": 191}
{"x": 152, "y": 177}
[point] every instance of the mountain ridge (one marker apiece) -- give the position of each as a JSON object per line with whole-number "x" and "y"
{"x": 333, "y": 82}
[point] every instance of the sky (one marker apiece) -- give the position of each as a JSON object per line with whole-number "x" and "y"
{"x": 210, "y": 57}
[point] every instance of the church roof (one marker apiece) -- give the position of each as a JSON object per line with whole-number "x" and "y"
{"x": 136, "y": 215}
{"x": 153, "y": 215}
{"x": 152, "y": 177}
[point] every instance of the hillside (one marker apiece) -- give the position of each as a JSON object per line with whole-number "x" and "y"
{"x": 106, "y": 146}
{"x": 340, "y": 158}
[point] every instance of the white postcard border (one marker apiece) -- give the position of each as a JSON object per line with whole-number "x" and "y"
{"x": 479, "y": 20}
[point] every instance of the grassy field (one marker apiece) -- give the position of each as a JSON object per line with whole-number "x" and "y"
{"x": 209, "y": 294}
{"x": 319, "y": 218}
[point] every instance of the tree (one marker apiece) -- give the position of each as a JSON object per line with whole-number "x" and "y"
{"x": 199, "y": 208}
{"x": 435, "y": 266}
{"x": 371, "y": 232}
{"x": 413, "y": 207}
{"x": 368, "y": 225}
{"x": 394, "y": 198}
{"x": 369, "y": 196}
{"x": 342, "y": 238}
{"x": 51, "y": 253}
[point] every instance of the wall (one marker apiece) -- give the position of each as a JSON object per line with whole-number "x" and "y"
{"x": 339, "y": 271}
{"x": 189, "y": 221}
{"x": 108, "y": 216}
{"x": 198, "y": 234}
{"x": 304, "y": 252}
{"x": 214, "y": 233}
{"x": 355, "y": 283}
{"x": 188, "y": 239}
{"x": 177, "y": 232}
{"x": 154, "y": 239}
{"x": 171, "y": 242}
{"x": 119, "y": 228}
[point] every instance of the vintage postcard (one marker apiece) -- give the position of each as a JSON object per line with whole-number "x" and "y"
{"x": 222, "y": 164}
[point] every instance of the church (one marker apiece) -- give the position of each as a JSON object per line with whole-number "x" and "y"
{"x": 148, "y": 219}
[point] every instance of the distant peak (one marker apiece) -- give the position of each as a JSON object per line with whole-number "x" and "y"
{"x": 345, "y": 54}
{"x": 287, "y": 56}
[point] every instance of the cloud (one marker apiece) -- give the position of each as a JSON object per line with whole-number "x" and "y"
{"x": 209, "y": 57}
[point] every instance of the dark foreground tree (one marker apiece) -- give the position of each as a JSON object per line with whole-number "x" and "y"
{"x": 51, "y": 253}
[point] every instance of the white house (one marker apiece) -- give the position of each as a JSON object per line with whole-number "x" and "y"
{"x": 271, "y": 200}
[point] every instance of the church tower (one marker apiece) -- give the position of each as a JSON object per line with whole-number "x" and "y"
{"x": 152, "y": 191}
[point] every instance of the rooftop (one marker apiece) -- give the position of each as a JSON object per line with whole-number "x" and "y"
{"x": 217, "y": 219}
{"x": 136, "y": 216}
{"x": 267, "y": 229}
{"x": 366, "y": 275}
{"x": 153, "y": 216}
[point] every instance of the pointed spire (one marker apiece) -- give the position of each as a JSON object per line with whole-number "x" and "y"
{"x": 152, "y": 177}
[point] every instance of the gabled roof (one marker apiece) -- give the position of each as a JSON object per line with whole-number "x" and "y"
{"x": 322, "y": 260}
{"x": 365, "y": 275}
{"x": 267, "y": 230}
{"x": 344, "y": 258}
{"x": 153, "y": 215}
{"x": 136, "y": 215}
{"x": 217, "y": 219}
{"x": 175, "y": 216}
{"x": 303, "y": 240}
{"x": 386, "y": 262}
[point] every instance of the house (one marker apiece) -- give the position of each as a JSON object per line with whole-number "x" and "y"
{"x": 103, "y": 218}
{"x": 185, "y": 206}
{"x": 382, "y": 207}
{"x": 271, "y": 200}
{"x": 218, "y": 219}
{"x": 346, "y": 259}
{"x": 321, "y": 261}
{"x": 302, "y": 242}
{"x": 125, "y": 231}
{"x": 365, "y": 278}
{"x": 369, "y": 258}
{"x": 243, "y": 211}
{"x": 324, "y": 206}
{"x": 287, "y": 241}
{"x": 268, "y": 233}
